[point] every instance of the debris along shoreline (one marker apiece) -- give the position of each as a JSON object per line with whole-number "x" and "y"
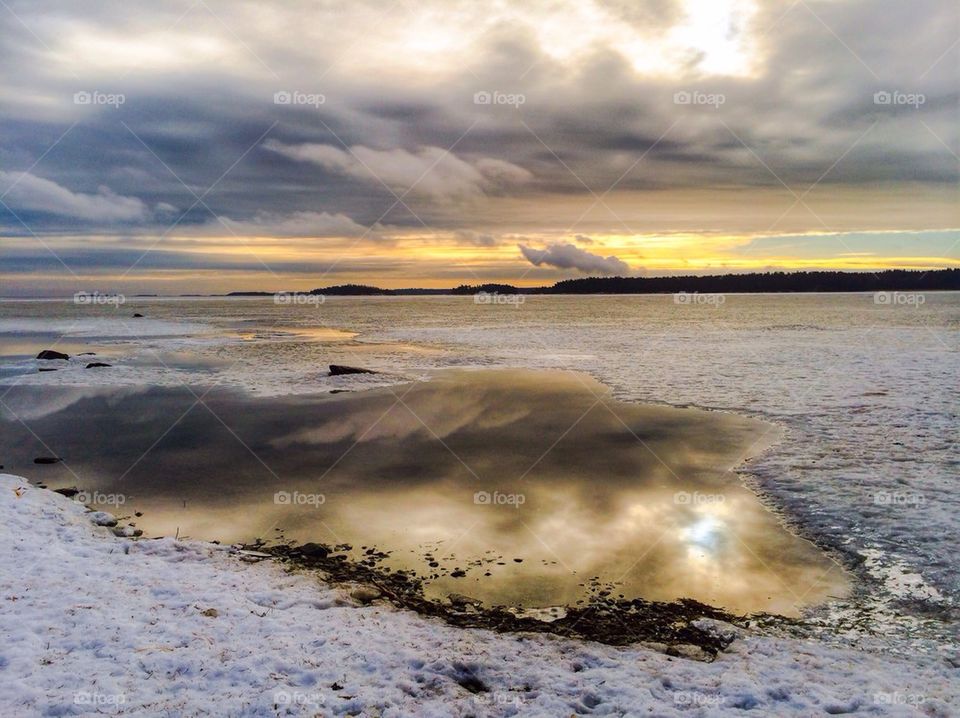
{"x": 676, "y": 627}
{"x": 685, "y": 627}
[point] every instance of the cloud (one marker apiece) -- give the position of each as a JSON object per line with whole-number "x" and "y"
{"x": 599, "y": 114}
{"x": 296, "y": 224}
{"x": 568, "y": 256}
{"x": 29, "y": 192}
{"x": 476, "y": 239}
{"x": 90, "y": 261}
{"x": 430, "y": 171}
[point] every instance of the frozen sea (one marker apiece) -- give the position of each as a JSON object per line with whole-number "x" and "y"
{"x": 865, "y": 388}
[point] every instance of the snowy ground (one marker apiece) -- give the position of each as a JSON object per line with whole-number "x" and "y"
{"x": 95, "y": 624}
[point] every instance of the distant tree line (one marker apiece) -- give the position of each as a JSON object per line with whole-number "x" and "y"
{"x": 890, "y": 280}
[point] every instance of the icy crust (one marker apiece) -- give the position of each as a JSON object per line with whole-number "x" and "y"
{"x": 95, "y": 624}
{"x": 121, "y": 325}
{"x": 148, "y": 352}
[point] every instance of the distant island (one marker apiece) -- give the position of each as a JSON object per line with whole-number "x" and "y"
{"x": 891, "y": 280}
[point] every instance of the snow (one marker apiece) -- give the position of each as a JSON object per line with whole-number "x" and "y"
{"x": 96, "y": 624}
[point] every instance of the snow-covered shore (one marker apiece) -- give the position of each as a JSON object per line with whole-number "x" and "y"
{"x": 96, "y": 624}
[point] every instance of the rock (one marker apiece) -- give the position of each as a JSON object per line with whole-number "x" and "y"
{"x": 68, "y": 491}
{"x": 47, "y": 460}
{"x": 210, "y": 612}
{"x": 690, "y": 651}
{"x": 314, "y": 550}
{"x": 339, "y": 369}
{"x": 126, "y": 531}
{"x": 102, "y": 518}
{"x": 50, "y": 354}
{"x": 47, "y": 368}
{"x": 87, "y": 354}
{"x": 365, "y": 594}
{"x": 138, "y": 316}
{"x": 253, "y": 556}
{"x": 96, "y": 364}
{"x": 461, "y": 601}
{"x": 727, "y": 633}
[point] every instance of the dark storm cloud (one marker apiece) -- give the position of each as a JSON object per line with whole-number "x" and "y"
{"x": 199, "y": 117}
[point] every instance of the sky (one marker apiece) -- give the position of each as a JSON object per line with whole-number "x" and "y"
{"x": 220, "y": 145}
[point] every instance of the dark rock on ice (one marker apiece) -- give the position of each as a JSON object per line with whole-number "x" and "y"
{"x": 313, "y": 550}
{"x": 339, "y": 369}
{"x": 51, "y": 354}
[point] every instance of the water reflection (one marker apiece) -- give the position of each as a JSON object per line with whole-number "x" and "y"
{"x": 529, "y": 483}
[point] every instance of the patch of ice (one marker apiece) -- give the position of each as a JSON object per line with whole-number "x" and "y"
{"x": 103, "y": 327}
